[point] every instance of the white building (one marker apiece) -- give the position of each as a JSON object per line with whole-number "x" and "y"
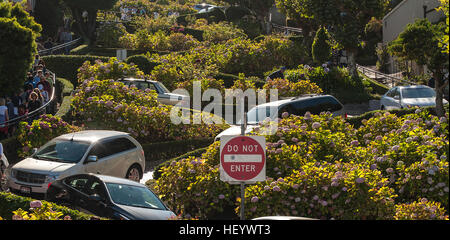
{"x": 404, "y": 13}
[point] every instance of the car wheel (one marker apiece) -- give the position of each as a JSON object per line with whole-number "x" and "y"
{"x": 382, "y": 107}
{"x": 134, "y": 173}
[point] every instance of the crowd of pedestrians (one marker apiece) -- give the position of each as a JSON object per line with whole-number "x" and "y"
{"x": 36, "y": 92}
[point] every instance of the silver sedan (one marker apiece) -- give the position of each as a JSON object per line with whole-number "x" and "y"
{"x": 408, "y": 96}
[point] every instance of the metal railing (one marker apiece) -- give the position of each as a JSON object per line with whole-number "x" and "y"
{"x": 383, "y": 78}
{"x": 37, "y": 112}
{"x": 56, "y": 49}
{"x": 285, "y": 29}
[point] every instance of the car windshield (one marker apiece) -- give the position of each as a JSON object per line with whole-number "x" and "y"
{"x": 418, "y": 93}
{"x": 61, "y": 150}
{"x": 258, "y": 114}
{"x": 134, "y": 196}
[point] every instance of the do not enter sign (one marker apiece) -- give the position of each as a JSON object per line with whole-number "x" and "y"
{"x": 243, "y": 158}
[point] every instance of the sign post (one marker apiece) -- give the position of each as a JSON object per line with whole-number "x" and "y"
{"x": 242, "y": 161}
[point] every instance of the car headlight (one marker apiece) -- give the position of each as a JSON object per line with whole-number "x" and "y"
{"x": 11, "y": 172}
{"x": 50, "y": 178}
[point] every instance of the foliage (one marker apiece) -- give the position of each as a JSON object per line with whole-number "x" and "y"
{"x": 86, "y": 26}
{"x": 19, "y": 32}
{"x": 38, "y": 211}
{"x": 444, "y": 39}
{"x": 109, "y": 34}
{"x": 420, "y": 210}
{"x": 40, "y": 132}
{"x": 158, "y": 41}
{"x": 113, "y": 69}
{"x": 49, "y": 14}
{"x": 419, "y": 42}
{"x": 219, "y": 32}
{"x": 142, "y": 62}
{"x": 347, "y": 19}
{"x": 336, "y": 81}
{"x": 66, "y": 66}
{"x": 10, "y": 202}
{"x": 319, "y": 166}
{"x": 100, "y": 99}
{"x": 321, "y": 48}
{"x": 287, "y": 88}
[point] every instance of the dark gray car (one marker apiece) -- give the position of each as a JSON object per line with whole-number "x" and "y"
{"x": 109, "y": 197}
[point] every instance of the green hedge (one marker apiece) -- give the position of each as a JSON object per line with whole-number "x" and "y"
{"x": 196, "y": 153}
{"x": 10, "y": 202}
{"x": 143, "y": 63}
{"x": 356, "y": 121}
{"x": 167, "y": 150}
{"x": 66, "y": 66}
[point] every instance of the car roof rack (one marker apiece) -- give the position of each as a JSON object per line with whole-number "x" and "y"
{"x": 307, "y": 95}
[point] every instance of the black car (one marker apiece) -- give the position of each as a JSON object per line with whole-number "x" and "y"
{"x": 109, "y": 197}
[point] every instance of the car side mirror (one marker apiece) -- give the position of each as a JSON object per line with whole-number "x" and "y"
{"x": 397, "y": 97}
{"x": 91, "y": 158}
{"x": 95, "y": 197}
{"x": 35, "y": 150}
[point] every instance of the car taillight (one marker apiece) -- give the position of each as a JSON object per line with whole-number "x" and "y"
{"x": 142, "y": 151}
{"x": 49, "y": 184}
{"x": 345, "y": 116}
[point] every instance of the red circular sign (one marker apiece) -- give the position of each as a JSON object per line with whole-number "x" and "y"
{"x": 243, "y": 158}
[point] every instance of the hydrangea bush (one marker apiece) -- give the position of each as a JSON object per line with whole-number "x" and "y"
{"x": 320, "y": 166}
{"x": 122, "y": 108}
{"x": 40, "y": 132}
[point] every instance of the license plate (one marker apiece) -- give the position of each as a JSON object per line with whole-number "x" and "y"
{"x": 26, "y": 190}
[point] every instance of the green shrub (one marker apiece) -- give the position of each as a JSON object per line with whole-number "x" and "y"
{"x": 321, "y": 48}
{"x": 10, "y": 202}
{"x": 195, "y": 153}
{"x": 142, "y": 62}
{"x": 109, "y": 34}
{"x": 420, "y": 210}
{"x": 166, "y": 150}
{"x": 108, "y": 104}
{"x": 40, "y": 132}
{"x": 111, "y": 69}
{"x": 322, "y": 167}
{"x": 287, "y": 88}
{"x": 66, "y": 66}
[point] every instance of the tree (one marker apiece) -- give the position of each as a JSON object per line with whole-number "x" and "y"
{"x": 321, "y": 48}
{"x": 260, "y": 8}
{"x": 444, "y": 38}
{"x": 18, "y": 32}
{"x": 86, "y": 24}
{"x": 49, "y": 14}
{"x": 345, "y": 19}
{"x": 420, "y": 42}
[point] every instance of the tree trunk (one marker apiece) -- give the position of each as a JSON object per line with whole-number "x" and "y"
{"x": 352, "y": 64}
{"x": 440, "y": 112}
{"x": 86, "y": 28}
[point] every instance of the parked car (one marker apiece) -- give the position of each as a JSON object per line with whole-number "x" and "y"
{"x": 3, "y": 166}
{"x": 164, "y": 95}
{"x": 94, "y": 151}
{"x": 202, "y": 6}
{"x": 408, "y": 96}
{"x": 108, "y": 197}
{"x": 315, "y": 104}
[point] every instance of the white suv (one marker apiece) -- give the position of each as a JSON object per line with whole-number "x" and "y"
{"x": 96, "y": 151}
